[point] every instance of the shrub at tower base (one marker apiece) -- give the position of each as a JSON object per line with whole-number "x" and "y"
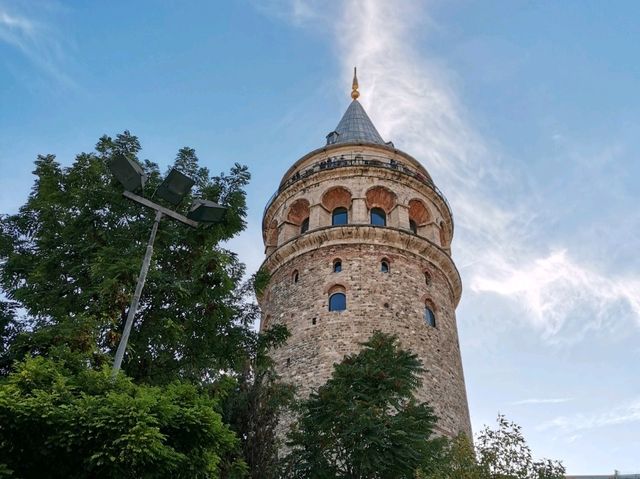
{"x": 365, "y": 421}
{"x": 69, "y": 259}
{"x": 500, "y": 453}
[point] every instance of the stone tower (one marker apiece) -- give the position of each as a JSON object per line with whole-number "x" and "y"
{"x": 358, "y": 238}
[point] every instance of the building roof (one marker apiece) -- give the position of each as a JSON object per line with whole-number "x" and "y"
{"x": 355, "y": 127}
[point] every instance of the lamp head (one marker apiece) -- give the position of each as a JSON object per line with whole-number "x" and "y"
{"x": 128, "y": 172}
{"x": 175, "y": 187}
{"x": 205, "y": 211}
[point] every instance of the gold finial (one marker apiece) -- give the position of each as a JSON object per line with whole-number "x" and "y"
{"x": 354, "y": 87}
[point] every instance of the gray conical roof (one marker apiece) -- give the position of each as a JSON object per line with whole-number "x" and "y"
{"x": 355, "y": 126}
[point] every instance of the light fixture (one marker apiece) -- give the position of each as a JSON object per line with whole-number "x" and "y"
{"x": 128, "y": 172}
{"x": 175, "y": 187}
{"x": 205, "y": 211}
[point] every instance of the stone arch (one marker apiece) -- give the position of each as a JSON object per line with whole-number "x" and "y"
{"x": 381, "y": 197}
{"x": 298, "y": 211}
{"x": 418, "y": 212}
{"x": 335, "y": 288}
{"x": 336, "y": 197}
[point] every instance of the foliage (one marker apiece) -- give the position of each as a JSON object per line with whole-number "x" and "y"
{"x": 74, "y": 251}
{"x": 365, "y": 422}
{"x": 61, "y": 422}
{"x": 500, "y": 453}
{"x": 254, "y": 407}
{"x": 504, "y": 453}
{"x": 456, "y": 460}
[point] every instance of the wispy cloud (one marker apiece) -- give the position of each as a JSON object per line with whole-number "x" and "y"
{"x": 413, "y": 100}
{"x": 541, "y": 401}
{"x": 623, "y": 414}
{"x": 36, "y": 38}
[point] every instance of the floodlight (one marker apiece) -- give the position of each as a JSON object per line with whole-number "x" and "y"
{"x": 175, "y": 187}
{"x": 128, "y": 172}
{"x": 205, "y": 211}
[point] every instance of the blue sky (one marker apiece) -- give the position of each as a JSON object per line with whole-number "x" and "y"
{"x": 525, "y": 113}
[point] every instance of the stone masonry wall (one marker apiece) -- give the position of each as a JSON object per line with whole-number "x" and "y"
{"x": 391, "y": 302}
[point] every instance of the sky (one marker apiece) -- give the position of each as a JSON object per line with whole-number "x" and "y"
{"x": 525, "y": 113}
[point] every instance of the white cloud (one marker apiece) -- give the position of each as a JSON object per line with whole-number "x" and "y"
{"x": 36, "y": 38}
{"x": 412, "y": 100}
{"x": 627, "y": 413}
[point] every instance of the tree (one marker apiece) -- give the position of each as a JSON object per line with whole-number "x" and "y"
{"x": 73, "y": 252}
{"x": 500, "y": 453}
{"x": 365, "y": 422}
{"x": 257, "y": 402}
{"x": 456, "y": 459}
{"x": 57, "y": 421}
{"x": 504, "y": 454}
{"x": 68, "y": 262}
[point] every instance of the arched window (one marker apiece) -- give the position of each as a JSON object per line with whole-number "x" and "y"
{"x": 378, "y": 217}
{"x": 337, "y": 266}
{"x": 413, "y": 226}
{"x": 427, "y": 278}
{"x": 384, "y": 266}
{"x": 295, "y": 276}
{"x": 337, "y": 302}
{"x": 304, "y": 226}
{"x": 340, "y": 216}
{"x": 429, "y": 315}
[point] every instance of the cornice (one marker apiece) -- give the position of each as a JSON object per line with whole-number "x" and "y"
{"x": 355, "y": 234}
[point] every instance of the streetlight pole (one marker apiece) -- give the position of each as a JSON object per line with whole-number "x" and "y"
{"x": 203, "y": 211}
{"x": 133, "y": 308}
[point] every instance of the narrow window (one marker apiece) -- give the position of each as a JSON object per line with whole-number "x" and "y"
{"x": 429, "y": 316}
{"x": 384, "y": 266}
{"x": 337, "y": 266}
{"x": 295, "y": 276}
{"x": 337, "y": 302}
{"x": 304, "y": 226}
{"x": 378, "y": 217}
{"x": 413, "y": 226}
{"x": 340, "y": 216}
{"x": 427, "y": 278}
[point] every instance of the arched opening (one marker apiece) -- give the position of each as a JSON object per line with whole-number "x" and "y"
{"x": 427, "y": 278}
{"x": 295, "y": 276}
{"x": 340, "y": 216}
{"x": 378, "y": 217}
{"x": 298, "y": 214}
{"x": 429, "y": 314}
{"x": 337, "y": 302}
{"x": 418, "y": 215}
{"x": 337, "y": 266}
{"x": 304, "y": 226}
{"x": 337, "y": 201}
{"x": 384, "y": 265}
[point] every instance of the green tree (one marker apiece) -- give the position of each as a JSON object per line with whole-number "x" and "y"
{"x": 365, "y": 422}
{"x": 455, "y": 460}
{"x": 57, "y": 421}
{"x": 68, "y": 263}
{"x": 257, "y": 402}
{"x": 503, "y": 452}
{"x": 500, "y": 453}
{"x": 74, "y": 250}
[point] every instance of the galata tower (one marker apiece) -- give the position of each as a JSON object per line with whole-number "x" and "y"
{"x": 357, "y": 239}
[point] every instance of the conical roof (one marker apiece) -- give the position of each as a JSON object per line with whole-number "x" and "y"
{"x": 355, "y": 126}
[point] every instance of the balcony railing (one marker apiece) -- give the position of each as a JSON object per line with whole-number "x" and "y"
{"x": 355, "y": 160}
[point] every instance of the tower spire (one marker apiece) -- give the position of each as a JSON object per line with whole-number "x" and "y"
{"x": 354, "y": 87}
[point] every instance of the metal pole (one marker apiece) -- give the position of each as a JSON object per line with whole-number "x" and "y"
{"x": 136, "y": 297}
